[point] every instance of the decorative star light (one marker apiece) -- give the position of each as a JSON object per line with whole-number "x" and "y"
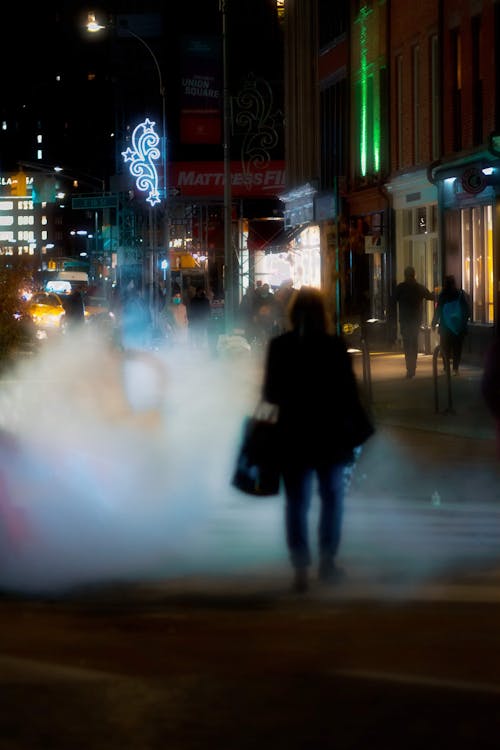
{"x": 141, "y": 156}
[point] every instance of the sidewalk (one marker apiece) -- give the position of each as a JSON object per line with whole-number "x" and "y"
{"x": 397, "y": 401}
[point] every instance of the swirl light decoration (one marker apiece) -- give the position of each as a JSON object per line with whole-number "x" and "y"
{"x": 257, "y": 122}
{"x": 141, "y": 156}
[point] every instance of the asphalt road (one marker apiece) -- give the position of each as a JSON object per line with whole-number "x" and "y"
{"x": 199, "y": 670}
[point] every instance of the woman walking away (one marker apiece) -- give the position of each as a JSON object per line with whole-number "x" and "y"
{"x": 452, "y": 313}
{"x": 309, "y": 375}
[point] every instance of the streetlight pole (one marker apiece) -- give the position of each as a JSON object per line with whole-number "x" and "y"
{"x": 229, "y": 296}
{"x": 154, "y": 254}
{"x": 163, "y": 105}
{"x": 93, "y": 26}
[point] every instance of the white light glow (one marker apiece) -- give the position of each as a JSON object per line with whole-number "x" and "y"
{"x": 141, "y": 156}
{"x": 92, "y": 25}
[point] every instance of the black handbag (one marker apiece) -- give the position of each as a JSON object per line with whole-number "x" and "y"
{"x": 257, "y": 469}
{"x": 358, "y": 426}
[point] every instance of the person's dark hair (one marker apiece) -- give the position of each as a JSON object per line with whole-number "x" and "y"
{"x": 449, "y": 282}
{"x": 409, "y": 272}
{"x": 307, "y": 312}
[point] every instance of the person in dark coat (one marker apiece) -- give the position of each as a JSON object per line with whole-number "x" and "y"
{"x": 74, "y": 310}
{"x": 309, "y": 376}
{"x": 410, "y": 296}
{"x": 199, "y": 313}
{"x": 266, "y": 312}
{"x": 452, "y": 330}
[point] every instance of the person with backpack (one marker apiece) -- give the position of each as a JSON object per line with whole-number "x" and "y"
{"x": 451, "y": 315}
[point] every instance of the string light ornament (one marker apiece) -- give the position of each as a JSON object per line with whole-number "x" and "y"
{"x": 140, "y": 158}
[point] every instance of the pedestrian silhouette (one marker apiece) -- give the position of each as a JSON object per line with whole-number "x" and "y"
{"x": 309, "y": 375}
{"x": 265, "y": 314}
{"x": 410, "y": 296}
{"x": 74, "y": 311}
{"x": 283, "y": 296}
{"x": 451, "y": 314}
{"x": 174, "y": 321}
{"x": 198, "y": 313}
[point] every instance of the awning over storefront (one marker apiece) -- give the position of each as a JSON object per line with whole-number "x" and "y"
{"x": 263, "y": 231}
{"x": 270, "y": 236}
{"x": 280, "y": 243}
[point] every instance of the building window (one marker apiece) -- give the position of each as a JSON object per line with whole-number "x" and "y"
{"x": 496, "y": 63}
{"x": 280, "y": 8}
{"x": 334, "y": 113}
{"x": 420, "y": 247}
{"x": 333, "y": 20}
{"x": 415, "y": 70}
{"x": 421, "y": 220}
{"x": 434, "y": 98}
{"x": 399, "y": 111}
{"x": 456, "y": 70}
{"x": 477, "y": 84}
{"x": 477, "y": 261}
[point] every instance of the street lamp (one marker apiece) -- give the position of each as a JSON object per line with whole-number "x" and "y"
{"x": 93, "y": 26}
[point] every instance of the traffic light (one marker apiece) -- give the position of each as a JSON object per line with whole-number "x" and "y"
{"x": 18, "y": 184}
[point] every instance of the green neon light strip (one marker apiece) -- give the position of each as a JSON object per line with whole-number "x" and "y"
{"x": 363, "y": 103}
{"x": 364, "y": 70}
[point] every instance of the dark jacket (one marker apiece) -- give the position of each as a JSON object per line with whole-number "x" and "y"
{"x": 312, "y": 382}
{"x": 199, "y": 310}
{"x": 409, "y": 296}
{"x": 74, "y": 308}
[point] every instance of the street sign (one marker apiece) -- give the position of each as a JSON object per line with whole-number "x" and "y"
{"x": 98, "y": 201}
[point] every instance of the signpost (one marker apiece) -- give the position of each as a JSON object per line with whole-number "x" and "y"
{"x": 98, "y": 201}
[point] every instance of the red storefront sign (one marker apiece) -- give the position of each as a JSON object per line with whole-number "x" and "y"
{"x": 247, "y": 180}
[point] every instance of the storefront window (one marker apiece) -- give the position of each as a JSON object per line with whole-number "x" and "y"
{"x": 301, "y": 261}
{"x": 477, "y": 260}
{"x": 432, "y": 218}
{"x": 420, "y": 251}
{"x": 421, "y": 223}
{"x": 407, "y": 221}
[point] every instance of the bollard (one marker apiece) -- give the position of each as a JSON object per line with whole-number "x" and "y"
{"x": 437, "y": 352}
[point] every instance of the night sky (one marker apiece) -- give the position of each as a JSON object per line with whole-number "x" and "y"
{"x": 48, "y": 86}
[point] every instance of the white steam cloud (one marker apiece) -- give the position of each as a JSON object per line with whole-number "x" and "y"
{"x": 117, "y": 467}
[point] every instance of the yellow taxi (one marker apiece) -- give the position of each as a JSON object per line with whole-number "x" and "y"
{"x": 46, "y": 310}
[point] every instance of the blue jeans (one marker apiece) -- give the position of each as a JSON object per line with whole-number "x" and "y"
{"x": 298, "y": 483}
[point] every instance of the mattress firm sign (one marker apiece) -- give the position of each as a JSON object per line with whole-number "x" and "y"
{"x": 247, "y": 180}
